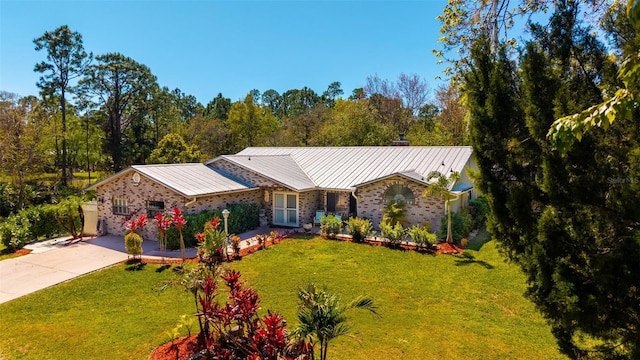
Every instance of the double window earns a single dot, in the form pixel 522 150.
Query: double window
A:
pixel 120 206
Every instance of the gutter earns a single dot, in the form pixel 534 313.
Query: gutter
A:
pixel 191 202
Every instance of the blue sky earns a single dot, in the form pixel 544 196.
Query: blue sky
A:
pixel 207 47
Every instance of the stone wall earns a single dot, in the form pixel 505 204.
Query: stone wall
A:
pixel 371 203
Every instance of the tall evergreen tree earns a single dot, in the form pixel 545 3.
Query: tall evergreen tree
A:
pixel 66 60
pixel 119 85
pixel 568 219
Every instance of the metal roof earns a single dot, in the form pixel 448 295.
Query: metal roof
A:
pixel 282 169
pixel 347 167
pixel 189 180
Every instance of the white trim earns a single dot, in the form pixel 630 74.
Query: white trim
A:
pixel 286 209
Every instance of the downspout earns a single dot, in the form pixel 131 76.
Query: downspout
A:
pixel 190 202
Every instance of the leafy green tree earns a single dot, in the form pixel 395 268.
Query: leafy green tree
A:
pixel 20 136
pixel 250 124
pixel 66 61
pixel 172 149
pixel 119 85
pixel 353 123
pixel 211 136
pixel 441 185
pixel 323 317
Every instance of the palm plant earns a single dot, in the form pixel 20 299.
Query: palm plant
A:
pixel 442 187
pixel 322 316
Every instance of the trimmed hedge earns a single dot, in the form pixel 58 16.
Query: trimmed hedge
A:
pixel 242 217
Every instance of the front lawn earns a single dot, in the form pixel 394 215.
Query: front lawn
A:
pixel 432 307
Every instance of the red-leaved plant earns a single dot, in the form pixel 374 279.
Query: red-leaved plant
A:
pixel 234 330
pixel 163 222
pixel 179 221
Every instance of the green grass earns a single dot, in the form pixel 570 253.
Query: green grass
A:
pixel 432 307
pixel 110 314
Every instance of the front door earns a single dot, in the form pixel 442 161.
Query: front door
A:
pixel 285 209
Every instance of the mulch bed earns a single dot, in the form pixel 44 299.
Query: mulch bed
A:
pixel 21 252
pixel 178 349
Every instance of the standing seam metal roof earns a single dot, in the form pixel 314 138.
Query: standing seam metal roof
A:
pixel 189 180
pixel 346 167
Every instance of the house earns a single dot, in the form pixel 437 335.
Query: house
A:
pixel 291 183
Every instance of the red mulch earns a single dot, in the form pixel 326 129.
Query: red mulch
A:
pixel 179 349
pixel 448 248
pixel 21 252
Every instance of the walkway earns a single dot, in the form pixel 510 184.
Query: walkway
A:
pixel 54 261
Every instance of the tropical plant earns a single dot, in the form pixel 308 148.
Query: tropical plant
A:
pixel 163 222
pixel 359 228
pixel 394 233
pixel 322 316
pixel 442 187
pixel 422 235
pixel 394 212
pixel 330 226
pixel 234 330
pixel 211 242
pixel 179 221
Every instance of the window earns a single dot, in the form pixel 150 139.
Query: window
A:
pixel 398 193
pixel 154 207
pixel 332 200
pixel 120 206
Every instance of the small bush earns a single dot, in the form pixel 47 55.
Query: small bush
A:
pixel 330 226
pixel 479 209
pixel 133 244
pixel 422 235
pixel 16 231
pixel 359 228
pixel 395 234
pixel 461 224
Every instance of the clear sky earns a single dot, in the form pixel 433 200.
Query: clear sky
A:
pixel 206 47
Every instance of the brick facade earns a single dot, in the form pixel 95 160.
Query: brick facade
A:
pixel 308 201
pixel 137 196
pixel 371 203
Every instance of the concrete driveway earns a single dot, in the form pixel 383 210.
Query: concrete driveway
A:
pixel 55 261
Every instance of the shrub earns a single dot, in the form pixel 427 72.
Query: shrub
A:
pixel 461 224
pixel 16 231
pixel 479 209
pixel 359 228
pixel 133 244
pixel 395 234
pixel 211 241
pixel 242 218
pixel 422 235
pixel 330 226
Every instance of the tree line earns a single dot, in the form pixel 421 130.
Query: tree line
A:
pixel 107 112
